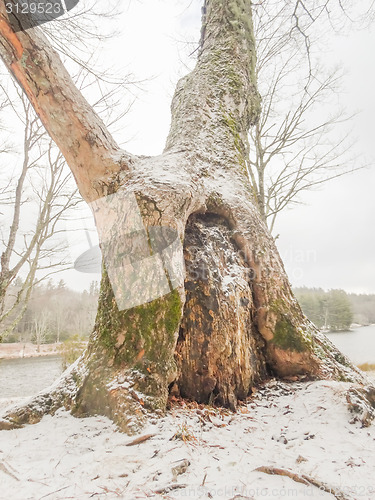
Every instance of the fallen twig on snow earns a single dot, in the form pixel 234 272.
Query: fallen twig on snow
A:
pixel 5 469
pixel 302 478
pixel 167 489
pixel 56 491
pixel 140 439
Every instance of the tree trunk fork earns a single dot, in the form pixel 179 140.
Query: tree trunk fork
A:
pixel 234 321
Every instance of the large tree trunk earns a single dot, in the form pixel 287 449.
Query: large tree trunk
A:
pixel 233 320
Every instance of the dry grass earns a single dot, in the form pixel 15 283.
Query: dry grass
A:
pixel 185 433
pixel 367 367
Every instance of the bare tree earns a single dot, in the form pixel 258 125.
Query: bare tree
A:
pixel 295 146
pixel 35 248
pixel 41 323
pixel 232 320
pixel 42 254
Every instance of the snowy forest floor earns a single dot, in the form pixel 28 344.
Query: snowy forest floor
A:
pixel 198 452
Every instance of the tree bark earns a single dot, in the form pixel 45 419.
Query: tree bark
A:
pixel 234 320
pixel 86 144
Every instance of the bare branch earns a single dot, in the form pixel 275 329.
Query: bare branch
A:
pixel 291 150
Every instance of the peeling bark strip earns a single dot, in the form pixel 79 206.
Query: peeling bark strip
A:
pixel 235 319
pixel 140 440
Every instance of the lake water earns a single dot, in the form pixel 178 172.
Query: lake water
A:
pixel 358 344
pixel 27 376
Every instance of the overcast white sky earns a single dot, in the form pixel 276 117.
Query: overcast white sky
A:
pixel 333 234
pixel 329 241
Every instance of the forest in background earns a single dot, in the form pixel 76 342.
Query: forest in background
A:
pixel 54 313
pixel 336 310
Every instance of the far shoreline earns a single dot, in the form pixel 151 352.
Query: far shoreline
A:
pixel 19 350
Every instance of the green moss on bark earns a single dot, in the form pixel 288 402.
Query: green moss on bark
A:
pixel 287 337
pixel 144 332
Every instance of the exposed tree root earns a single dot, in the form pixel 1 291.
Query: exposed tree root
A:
pixel 361 402
pixel 32 411
pixel 303 479
pixel 60 394
pixel 130 414
pixel 123 405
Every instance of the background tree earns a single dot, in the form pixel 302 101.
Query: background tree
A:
pixel 40 329
pixel 363 306
pixel 234 319
pixel 295 146
pixel 330 310
pixel 340 314
pixel 312 301
pixel 40 192
pixel 68 313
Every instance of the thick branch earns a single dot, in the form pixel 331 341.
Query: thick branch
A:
pixel 89 149
pixel 214 106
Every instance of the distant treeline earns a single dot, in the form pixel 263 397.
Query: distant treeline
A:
pixel 335 309
pixel 54 314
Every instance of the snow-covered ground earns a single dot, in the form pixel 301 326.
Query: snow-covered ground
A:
pixel 198 452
